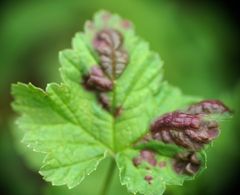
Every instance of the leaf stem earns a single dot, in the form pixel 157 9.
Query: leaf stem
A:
pixel 109 177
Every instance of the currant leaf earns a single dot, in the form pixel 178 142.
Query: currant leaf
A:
pixel 112 90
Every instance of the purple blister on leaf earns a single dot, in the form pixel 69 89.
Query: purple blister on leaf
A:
pixel 190 129
pixel 113 58
pixel 186 163
pixel 97 80
pixel 208 107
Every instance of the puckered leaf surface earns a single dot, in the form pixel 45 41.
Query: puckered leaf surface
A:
pixel 68 123
pixel 134 177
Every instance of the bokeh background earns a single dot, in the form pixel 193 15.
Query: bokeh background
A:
pixel 198 41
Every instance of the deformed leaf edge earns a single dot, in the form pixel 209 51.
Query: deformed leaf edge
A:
pixel 203 159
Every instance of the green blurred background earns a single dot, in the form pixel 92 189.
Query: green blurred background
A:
pixel 198 41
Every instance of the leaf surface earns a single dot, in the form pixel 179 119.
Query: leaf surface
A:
pixel 67 122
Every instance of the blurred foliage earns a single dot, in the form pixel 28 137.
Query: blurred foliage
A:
pixel 196 42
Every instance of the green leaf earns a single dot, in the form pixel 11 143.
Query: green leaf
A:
pixel 73 150
pixel 69 125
